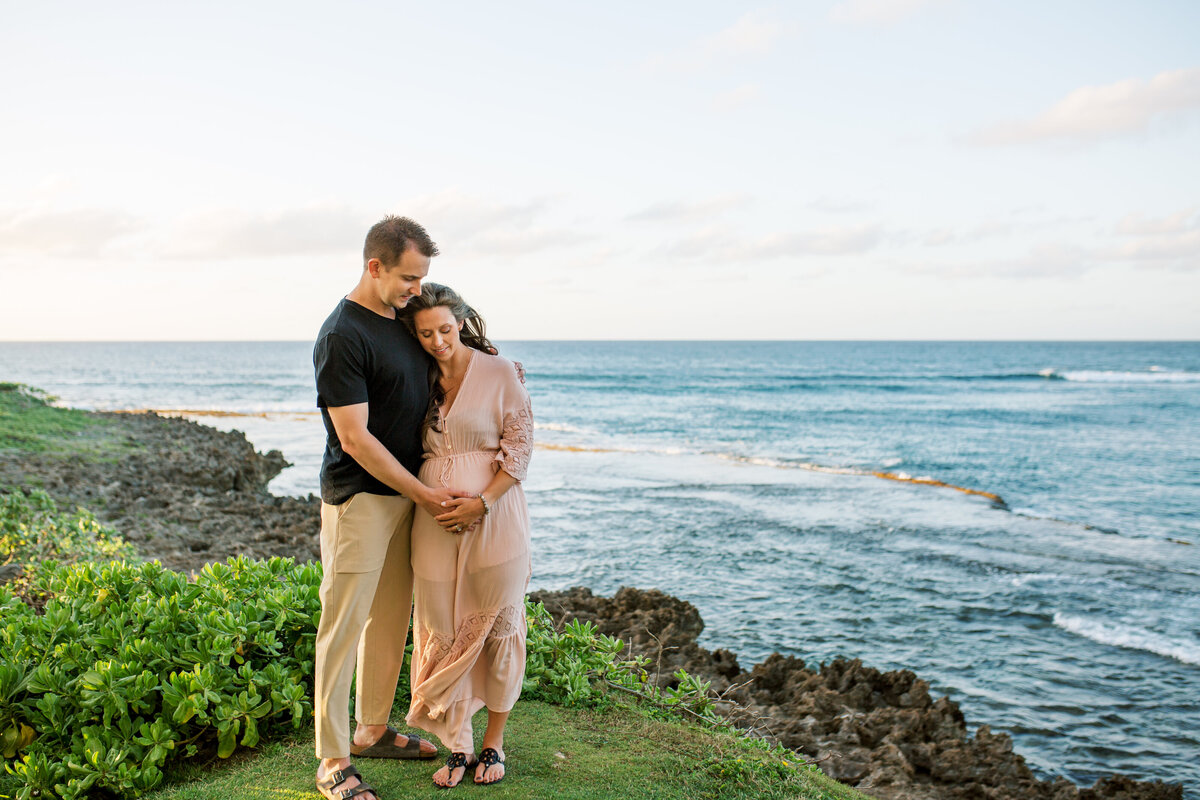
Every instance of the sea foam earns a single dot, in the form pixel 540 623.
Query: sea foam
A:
pixel 1118 635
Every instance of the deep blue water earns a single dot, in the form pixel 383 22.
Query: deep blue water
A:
pixel 737 476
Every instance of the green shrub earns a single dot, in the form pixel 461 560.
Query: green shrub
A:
pixel 33 530
pixel 128 666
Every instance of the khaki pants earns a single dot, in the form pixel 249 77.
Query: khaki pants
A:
pixel 366 599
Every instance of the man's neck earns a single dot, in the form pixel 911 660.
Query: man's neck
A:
pixel 370 301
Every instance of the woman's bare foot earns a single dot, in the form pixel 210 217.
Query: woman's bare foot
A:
pixel 456 767
pixel 491 766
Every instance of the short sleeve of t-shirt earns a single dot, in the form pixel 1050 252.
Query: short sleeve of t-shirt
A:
pixel 341 371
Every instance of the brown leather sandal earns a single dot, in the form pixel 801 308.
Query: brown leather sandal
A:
pixel 325 785
pixel 385 747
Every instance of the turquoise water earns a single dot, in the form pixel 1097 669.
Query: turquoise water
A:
pixel 738 476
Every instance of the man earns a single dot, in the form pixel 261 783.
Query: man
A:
pixel 373 391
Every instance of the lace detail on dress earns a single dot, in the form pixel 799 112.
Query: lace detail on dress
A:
pixel 516 442
pixel 495 624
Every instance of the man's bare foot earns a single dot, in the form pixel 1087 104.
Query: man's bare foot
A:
pixel 367 735
pixel 491 766
pixel 351 779
pixel 456 768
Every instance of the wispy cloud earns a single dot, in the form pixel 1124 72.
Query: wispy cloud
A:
pixel 836 205
pixel 879 12
pixel 77 233
pixel 1166 243
pixel 1172 241
pixel 1094 113
pixel 1138 224
pixel 986 230
pixel 736 99
pixel 239 233
pixel 721 244
pixel 753 34
pixel 482 225
pixel 689 211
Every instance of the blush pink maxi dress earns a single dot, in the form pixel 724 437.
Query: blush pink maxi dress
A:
pixel 469 589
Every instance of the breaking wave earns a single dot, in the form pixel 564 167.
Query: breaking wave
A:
pixel 1118 635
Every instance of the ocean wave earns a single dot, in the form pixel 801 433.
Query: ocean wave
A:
pixel 1127 636
pixel 264 411
pixel 560 427
pixel 1153 375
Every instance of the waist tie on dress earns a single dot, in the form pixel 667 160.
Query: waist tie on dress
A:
pixel 448 461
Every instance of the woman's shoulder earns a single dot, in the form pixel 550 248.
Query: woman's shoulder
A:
pixel 499 367
pixel 491 362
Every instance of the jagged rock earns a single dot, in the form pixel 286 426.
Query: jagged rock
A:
pixel 878 731
pixel 1119 787
pixel 184 493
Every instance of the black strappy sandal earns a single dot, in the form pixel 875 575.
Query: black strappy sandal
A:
pixel 325 785
pixel 453 762
pixel 490 757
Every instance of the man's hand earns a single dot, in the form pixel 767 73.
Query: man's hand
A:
pixel 435 499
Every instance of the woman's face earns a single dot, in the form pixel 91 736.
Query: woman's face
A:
pixel 437 331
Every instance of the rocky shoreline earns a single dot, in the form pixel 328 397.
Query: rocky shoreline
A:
pixel 187 494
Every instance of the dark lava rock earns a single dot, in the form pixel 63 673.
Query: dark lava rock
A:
pixel 880 732
pixel 184 494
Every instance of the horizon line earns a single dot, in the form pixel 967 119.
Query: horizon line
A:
pixel 629 340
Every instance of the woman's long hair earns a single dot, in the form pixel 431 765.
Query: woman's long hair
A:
pixel 473 334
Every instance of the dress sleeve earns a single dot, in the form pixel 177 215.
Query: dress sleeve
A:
pixel 516 428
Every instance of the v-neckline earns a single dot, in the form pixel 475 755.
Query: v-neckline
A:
pixel 461 384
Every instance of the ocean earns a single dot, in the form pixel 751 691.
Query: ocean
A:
pixel 1017 522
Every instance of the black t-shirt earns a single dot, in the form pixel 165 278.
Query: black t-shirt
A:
pixel 362 357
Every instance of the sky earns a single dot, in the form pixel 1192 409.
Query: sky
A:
pixel 845 169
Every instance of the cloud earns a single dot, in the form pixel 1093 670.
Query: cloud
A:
pixel 985 230
pixel 73 234
pixel 878 12
pixel 1137 224
pixel 1167 243
pixel 834 205
pixel 742 96
pixel 1093 113
pixel 1046 260
pixel 683 211
pixel 753 34
pixel 469 223
pixel 455 216
pixel 526 242
pixel 720 244
pixel 1172 241
pixel 237 233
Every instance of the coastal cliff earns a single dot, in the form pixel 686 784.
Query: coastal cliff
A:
pixel 186 494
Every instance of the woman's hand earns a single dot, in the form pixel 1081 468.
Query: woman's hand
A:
pixel 460 515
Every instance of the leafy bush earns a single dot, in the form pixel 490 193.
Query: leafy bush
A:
pixel 131 665
pixel 33 530
pixel 578 666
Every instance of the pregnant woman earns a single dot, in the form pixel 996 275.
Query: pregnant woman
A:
pixel 471 564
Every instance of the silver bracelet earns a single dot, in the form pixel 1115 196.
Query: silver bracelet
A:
pixel 483 500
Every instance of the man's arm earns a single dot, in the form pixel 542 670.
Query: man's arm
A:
pixel 350 423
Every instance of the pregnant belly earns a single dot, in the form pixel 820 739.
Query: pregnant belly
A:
pixel 466 472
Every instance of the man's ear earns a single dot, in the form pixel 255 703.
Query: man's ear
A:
pixel 373 266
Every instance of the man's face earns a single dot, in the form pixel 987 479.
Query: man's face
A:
pixel 398 283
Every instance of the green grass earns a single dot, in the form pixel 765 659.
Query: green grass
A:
pixel 551 752
pixel 30 424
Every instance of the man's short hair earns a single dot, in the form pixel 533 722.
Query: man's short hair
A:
pixel 389 237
